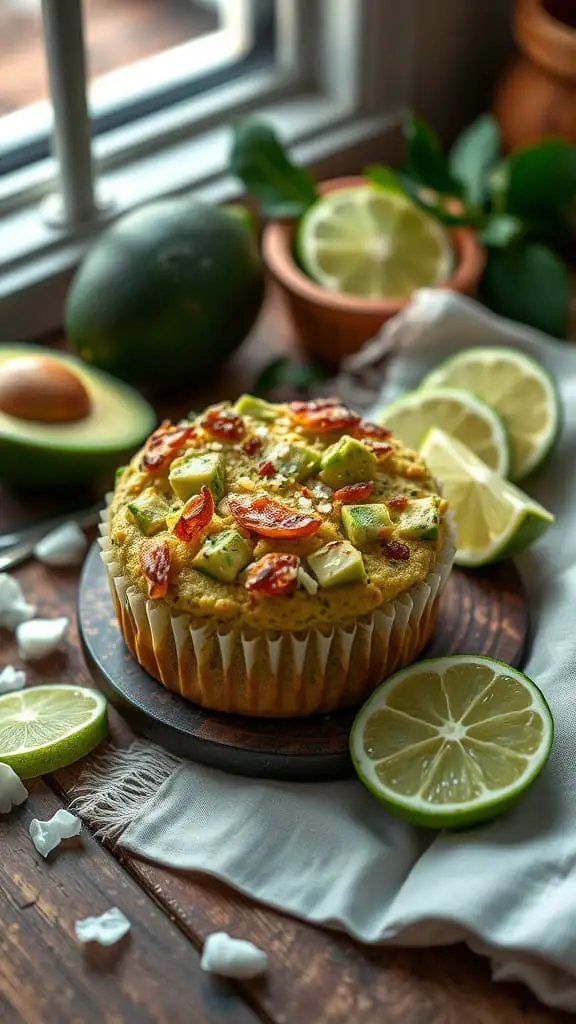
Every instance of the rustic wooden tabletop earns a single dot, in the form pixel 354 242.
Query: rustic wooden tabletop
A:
pixel 315 976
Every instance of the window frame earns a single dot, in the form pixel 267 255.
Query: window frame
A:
pixel 336 95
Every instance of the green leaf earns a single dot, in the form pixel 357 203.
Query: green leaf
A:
pixel 260 161
pixel 529 283
pixel 385 178
pixel 283 373
pixel 426 162
pixel 475 151
pixel 541 186
pixel 501 230
pixel 442 207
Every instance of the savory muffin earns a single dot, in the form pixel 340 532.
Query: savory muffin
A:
pixel 275 559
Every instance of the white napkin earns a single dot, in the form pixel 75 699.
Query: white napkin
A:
pixel 328 852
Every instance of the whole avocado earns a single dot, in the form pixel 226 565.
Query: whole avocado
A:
pixel 167 292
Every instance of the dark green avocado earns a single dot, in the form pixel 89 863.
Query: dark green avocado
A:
pixel 59 447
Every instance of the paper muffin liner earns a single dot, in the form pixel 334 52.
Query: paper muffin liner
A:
pixel 273 673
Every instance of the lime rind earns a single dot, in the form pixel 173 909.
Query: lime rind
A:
pixel 450 395
pixel 63 741
pixel 450 815
pixel 527 519
pixel 440 376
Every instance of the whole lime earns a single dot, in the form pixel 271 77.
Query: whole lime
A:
pixel 166 293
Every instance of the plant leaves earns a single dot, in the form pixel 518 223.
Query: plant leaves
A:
pixel 426 162
pixel 529 283
pixel 541 187
pixel 283 373
pixel 259 159
pixel 448 210
pixel 500 230
pixel 475 151
pixel 385 178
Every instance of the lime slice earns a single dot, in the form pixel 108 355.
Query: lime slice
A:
pixel 494 519
pixel 456 411
pixel 520 391
pixel 453 741
pixel 369 242
pixel 47 727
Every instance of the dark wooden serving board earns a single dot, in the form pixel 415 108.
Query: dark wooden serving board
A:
pixel 481 612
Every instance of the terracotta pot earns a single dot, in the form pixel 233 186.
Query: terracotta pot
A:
pixel 331 325
pixel 537 96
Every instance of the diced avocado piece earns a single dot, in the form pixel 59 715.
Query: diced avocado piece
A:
pixel 420 519
pixel 249 405
pixel 223 555
pixel 347 462
pixel 366 522
pixel 192 471
pixel 338 562
pixel 296 461
pixel 149 511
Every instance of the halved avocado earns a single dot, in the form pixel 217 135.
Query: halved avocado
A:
pixel 79 424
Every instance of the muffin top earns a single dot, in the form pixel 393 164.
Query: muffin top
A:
pixel 277 517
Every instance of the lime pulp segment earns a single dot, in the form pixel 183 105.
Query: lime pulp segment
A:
pixel 493 518
pixel 453 741
pixel 43 728
pixel 521 392
pixel 371 243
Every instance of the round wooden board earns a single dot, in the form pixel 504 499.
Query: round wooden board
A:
pixel 482 612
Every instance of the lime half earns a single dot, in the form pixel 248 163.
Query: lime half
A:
pixel 372 243
pixel 43 728
pixel 454 410
pixel 451 742
pixel 520 391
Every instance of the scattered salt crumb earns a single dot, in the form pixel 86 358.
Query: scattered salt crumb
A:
pixel 107 929
pixel 321 490
pixel 40 637
pixel 305 580
pixel 261 432
pixel 232 958
pixel 14 608
pixel 245 484
pixel 12 679
pixel 214 446
pixel 12 789
pixel 64 546
pixel 325 507
pixel 47 835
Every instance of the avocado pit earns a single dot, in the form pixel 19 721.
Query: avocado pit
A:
pixel 42 389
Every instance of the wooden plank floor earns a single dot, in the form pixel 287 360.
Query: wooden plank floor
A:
pixel 118 32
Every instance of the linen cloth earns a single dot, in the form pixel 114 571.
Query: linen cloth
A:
pixel 328 852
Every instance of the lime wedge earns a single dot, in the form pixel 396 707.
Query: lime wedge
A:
pixel 44 728
pixel 451 742
pixel 494 519
pixel 520 391
pixel 454 410
pixel 369 242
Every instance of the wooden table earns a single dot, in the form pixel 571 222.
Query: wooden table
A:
pixel 315 977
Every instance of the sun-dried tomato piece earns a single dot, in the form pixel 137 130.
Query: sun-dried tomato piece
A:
pixel 379 448
pixel 268 518
pixel 155 564
pixel 224 423
pixel 396 550
pixel 353 492
pixel 163 444
pixel 266 468
pixel 196 515
pixel 252 445
pixel 366 429
pixel 398 501
pixel 323 415
pixel 273 575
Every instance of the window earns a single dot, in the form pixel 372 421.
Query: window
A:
pixel 147 112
